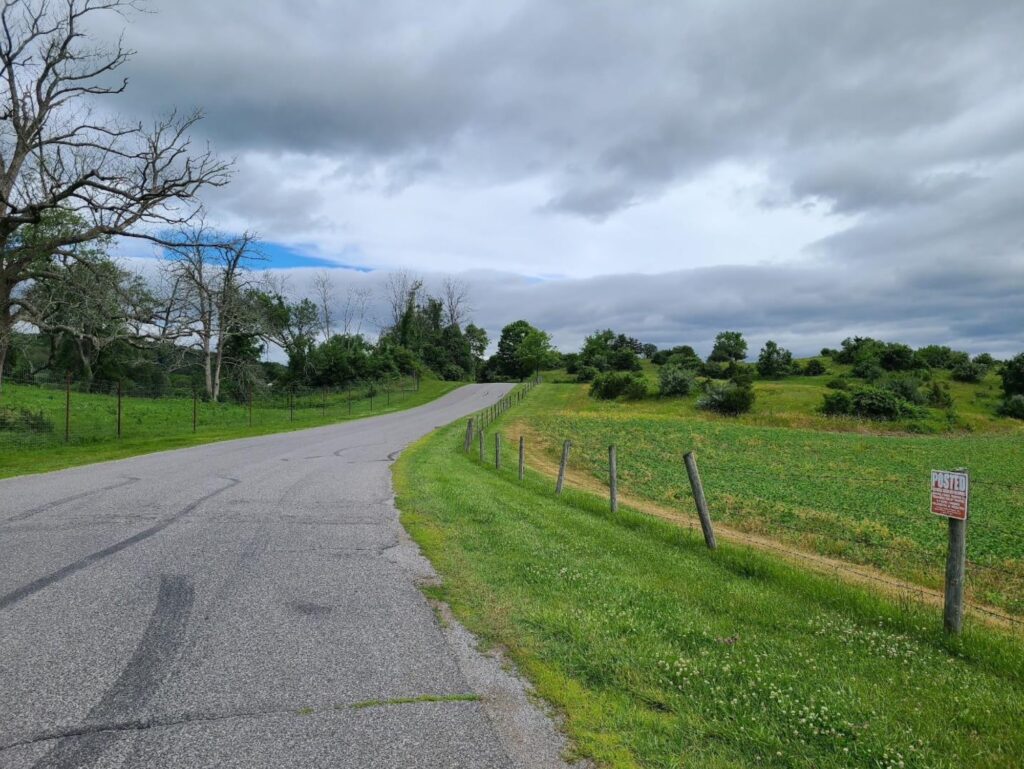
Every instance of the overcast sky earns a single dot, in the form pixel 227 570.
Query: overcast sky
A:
pixel 796 170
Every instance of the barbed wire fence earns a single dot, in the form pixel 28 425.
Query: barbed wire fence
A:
pixel 77 412
pixel 1002 583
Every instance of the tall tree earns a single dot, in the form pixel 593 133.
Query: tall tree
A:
pixel 56 154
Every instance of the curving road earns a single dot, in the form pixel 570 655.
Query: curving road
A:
pixel 251 603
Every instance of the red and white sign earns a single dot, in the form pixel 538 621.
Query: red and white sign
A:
pixel 949 494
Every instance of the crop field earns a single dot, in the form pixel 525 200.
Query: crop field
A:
pixel 663 654
pixel 854 496
pixel 157 423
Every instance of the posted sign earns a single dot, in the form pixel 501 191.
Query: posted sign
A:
pixel 949 494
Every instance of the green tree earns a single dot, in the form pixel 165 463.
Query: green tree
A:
pixel 535 351
pixel 730 347
pixel 507 360
pixel 774 361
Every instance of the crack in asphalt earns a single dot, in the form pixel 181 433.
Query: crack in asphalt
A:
pixel 11 598
pixel 64 500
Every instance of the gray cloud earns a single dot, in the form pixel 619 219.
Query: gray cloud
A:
pixel 902 122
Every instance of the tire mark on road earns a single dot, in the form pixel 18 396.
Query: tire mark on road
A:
pixel 45 581
pixel 63 501
pixel 137 683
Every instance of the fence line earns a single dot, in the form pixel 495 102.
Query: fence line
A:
pixel 932 561
pixel 108 410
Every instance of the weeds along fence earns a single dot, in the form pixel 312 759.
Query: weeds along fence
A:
pixel 875 543
pixel 74 412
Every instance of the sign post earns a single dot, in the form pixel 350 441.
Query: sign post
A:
pixel 949 499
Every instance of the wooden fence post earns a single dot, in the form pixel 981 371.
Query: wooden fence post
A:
pixel 522 457
pixel 497 451
pixel 195 409
pixel 291 404
pixel 467 444
pixel 481 444
pixel 250 405
pixel 118 408
pixel 613 478
pixel 698 497
pixel 561 467
pixel 953 605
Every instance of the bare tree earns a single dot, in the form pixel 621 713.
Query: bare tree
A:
pixel 323 285
pixel 118 178
pixel 455 296
pixel 213 272
pixel 398 288
pixel 353 313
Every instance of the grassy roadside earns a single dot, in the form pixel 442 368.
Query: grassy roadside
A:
pixel 664 655
pixel 157 425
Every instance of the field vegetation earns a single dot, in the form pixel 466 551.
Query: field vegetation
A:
pixel 848 492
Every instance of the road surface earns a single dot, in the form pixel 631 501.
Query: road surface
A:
pixel 250 603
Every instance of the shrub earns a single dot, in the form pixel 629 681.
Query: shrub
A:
pixel 868 370
pixel 938 396
pixel 879 403
pixel 739 373
pixel 675 380
pixel 586 373
pixel 896 357
pixel 24 420
pixel 727 398
pixel 714 370
pixel 838 383
pixel 814 367
pixel 838 403
pixel 1013 376
pixel 906 386
pixel 968 371
pixel 618 384
pixel 1013 407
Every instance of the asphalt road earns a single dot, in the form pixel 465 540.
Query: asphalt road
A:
pixel 233 605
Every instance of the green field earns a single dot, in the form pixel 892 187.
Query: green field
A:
pixel 663 654
pixel 855 496
pixel 156 424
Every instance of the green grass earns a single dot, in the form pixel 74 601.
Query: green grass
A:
pixel 859 497
pixel 157 424
pixel 662 654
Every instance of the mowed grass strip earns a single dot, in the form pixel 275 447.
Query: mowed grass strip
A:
pixel 662 654
pixel 858 497
pixel 158 424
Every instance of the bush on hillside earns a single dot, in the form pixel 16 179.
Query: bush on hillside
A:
pixel 675 380
pixel 618 384
pixel 938 396
pixel 968 371
pixel 727 398
pixel 906 386
pixel 868 370
pixel 586 373
pixel 814 367
pixel 870 403
pixel 838 403
pixel 1013 376
pixel 1013 407
pixel 838 383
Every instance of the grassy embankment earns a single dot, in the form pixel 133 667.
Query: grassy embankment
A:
pixel 663 654
pixel 158 424
pixel 855 496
